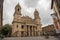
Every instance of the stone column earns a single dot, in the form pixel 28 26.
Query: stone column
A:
pixel 33 30
pixel 29 30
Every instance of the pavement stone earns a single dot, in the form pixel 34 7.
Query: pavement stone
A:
pixel 31 38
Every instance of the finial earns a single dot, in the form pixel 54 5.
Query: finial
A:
pixel 18 3
pixel 35 9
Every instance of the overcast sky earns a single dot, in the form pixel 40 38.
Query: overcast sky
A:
pixel 28 7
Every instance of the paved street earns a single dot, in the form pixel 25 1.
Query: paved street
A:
pixel 31 38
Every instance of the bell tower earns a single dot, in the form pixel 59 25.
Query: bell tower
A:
pixel 18 9
pixel 38 21
pixel 36 16
pixel 17 13
pixel 1 13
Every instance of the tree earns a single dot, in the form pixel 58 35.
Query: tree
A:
pixel 6 30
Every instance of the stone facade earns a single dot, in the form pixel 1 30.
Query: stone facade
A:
pixel 24 25
pixel 50 29
pixel 1 12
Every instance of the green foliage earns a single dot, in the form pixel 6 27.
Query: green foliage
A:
pixel 6 29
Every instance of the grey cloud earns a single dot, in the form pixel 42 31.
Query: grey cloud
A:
pixel 45 15
pixel 8 10
pixel 28 10
pixel 31 3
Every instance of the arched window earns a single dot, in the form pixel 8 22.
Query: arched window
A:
pixel 17 26
pixel 18 9
pixel 22 26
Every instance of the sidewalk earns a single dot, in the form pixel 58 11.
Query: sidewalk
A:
pixel 31 38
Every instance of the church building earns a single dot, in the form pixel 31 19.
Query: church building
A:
pixel 23 26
